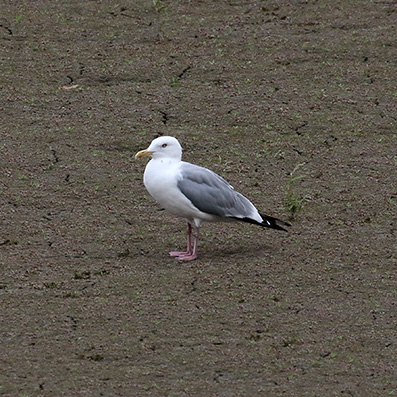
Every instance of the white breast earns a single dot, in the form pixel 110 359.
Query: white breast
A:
pixel 160 179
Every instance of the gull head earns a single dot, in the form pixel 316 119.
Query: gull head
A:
pixel 162 148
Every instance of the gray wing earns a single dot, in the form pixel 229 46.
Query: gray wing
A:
pixel 211 194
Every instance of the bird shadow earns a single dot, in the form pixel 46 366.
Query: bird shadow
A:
pixel 233 251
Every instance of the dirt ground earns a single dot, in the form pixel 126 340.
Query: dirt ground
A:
pixel 92 305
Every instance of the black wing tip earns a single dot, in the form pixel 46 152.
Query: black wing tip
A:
pixel 268 221
pixel 274 223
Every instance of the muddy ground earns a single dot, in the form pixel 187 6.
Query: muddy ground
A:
pixel 92 305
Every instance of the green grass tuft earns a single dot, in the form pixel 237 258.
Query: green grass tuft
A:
pixel 294 201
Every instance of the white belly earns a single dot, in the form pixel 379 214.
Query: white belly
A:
pixel 160 179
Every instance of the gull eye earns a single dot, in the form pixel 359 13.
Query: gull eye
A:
pixel 164 145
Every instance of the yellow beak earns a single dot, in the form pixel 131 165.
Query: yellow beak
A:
pixel 143 153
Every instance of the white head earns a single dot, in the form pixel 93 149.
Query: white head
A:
pixel 163 147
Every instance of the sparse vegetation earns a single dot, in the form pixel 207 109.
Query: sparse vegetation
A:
pixel 294 201
pixel 158 5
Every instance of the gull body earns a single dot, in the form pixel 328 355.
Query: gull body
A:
pixel 195 193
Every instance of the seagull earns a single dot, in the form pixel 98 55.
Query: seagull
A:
pixel 195 193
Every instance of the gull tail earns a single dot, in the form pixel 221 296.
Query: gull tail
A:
pixel 268 221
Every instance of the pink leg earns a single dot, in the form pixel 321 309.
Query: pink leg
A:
pixel 193 254
pixel 189 250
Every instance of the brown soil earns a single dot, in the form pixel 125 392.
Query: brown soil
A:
pixel 91 303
